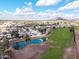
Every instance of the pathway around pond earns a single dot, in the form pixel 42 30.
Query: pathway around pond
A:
pixel 30 51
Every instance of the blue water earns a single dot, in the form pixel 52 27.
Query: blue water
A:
pixel 20 45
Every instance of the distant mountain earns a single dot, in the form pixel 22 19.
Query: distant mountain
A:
pixel 59 18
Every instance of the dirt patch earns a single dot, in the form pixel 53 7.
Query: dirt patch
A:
pixel 30 52
pixel 69 53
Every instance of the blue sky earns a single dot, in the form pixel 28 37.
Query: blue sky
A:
pixel 38 9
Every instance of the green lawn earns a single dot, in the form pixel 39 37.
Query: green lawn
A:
pixel 60 38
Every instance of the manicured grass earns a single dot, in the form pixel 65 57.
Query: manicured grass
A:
pixel 60 38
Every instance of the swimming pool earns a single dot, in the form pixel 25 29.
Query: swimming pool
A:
pixel 20 45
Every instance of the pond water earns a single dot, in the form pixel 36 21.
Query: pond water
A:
pixel 20 45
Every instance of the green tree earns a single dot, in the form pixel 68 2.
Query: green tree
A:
pixel 3 47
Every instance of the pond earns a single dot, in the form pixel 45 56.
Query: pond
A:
pixel 23 44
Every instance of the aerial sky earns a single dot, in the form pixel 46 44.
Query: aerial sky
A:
pixel 38 9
